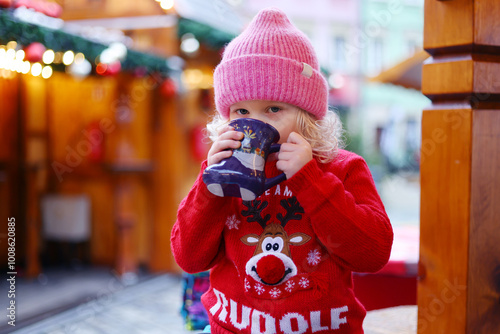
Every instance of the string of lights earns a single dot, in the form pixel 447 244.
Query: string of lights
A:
pixel 21 43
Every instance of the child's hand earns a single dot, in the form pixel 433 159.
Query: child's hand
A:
pixel 294 154
pixel 224 144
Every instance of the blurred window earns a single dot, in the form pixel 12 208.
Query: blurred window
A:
pixel 418 3
pixel 375 56
pixel 412 47
pixel 339 56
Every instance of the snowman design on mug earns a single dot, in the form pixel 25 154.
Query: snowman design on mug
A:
pixel 251 158
pixel 242 174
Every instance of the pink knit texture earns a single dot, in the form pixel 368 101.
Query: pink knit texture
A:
pixel 265 62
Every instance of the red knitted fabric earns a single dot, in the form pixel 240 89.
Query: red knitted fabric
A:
pixel 283 263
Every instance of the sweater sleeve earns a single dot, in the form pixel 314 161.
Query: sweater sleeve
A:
pixel 196 239
pixel 348 217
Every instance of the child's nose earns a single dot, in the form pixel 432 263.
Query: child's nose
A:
pixel 258 117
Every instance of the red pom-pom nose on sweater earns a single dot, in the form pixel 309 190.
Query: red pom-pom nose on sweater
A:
pixel 270 269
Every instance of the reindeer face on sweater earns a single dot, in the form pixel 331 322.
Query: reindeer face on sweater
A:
pixel 271 263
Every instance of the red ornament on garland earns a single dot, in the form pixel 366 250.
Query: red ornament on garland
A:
pixel 37 5
pixel 34 52
pixel 114 68
pixel 48 8
pixel 108 69
pixel 6 3
pixel 52 9
pixel 22 3
pixel 168 88
pixel 101 69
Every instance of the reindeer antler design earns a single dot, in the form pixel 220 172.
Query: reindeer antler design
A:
pixel 293 210
pixel 254 212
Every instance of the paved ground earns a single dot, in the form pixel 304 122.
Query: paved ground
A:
pixel 401 198
pixel 151 306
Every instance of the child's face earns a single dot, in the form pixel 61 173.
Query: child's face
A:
pixel 282 116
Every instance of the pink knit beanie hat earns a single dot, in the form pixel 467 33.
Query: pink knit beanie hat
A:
pixel 271 60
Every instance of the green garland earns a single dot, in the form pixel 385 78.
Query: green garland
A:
pixel 213 38
pixel 24 34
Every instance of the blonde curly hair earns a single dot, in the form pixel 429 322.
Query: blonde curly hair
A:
pixel 324 136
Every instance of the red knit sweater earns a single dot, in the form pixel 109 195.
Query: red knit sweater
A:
pixel 283 263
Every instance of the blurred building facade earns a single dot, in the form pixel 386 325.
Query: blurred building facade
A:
pixel 356 40
pixel 390 115
pixel 331 26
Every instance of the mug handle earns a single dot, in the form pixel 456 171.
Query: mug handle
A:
pixel 274 148
pixel 277 179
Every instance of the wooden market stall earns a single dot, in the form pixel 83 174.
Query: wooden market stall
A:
pixel 93 168
pixel 64 137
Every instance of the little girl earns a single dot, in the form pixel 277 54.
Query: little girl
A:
pixel 283 262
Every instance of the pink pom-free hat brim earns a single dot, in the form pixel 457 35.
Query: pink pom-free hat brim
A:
pixel 270 78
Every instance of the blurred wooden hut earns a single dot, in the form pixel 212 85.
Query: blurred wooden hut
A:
pixel 92 168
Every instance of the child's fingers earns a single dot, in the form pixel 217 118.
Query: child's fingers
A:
pixel 228 140
pixel 295 138
pixel 218 157
pixel 284 166
pixel 224 144
pixel 231 134
pixel 294 154
pixel 225 128
pixel 285 156
pixel 287 147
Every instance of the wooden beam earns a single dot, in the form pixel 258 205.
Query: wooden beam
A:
pixel 483 306
pixel 84 9
pixel 459 269
pixel 444 216
pixel 129 23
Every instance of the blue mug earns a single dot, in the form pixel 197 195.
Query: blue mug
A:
pixel 242 174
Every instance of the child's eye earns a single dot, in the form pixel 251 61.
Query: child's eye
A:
pixel 241 111
pixel 274 109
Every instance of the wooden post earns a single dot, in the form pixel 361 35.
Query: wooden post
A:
pixel 170 171
pixel 125 219
pixel 459 270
